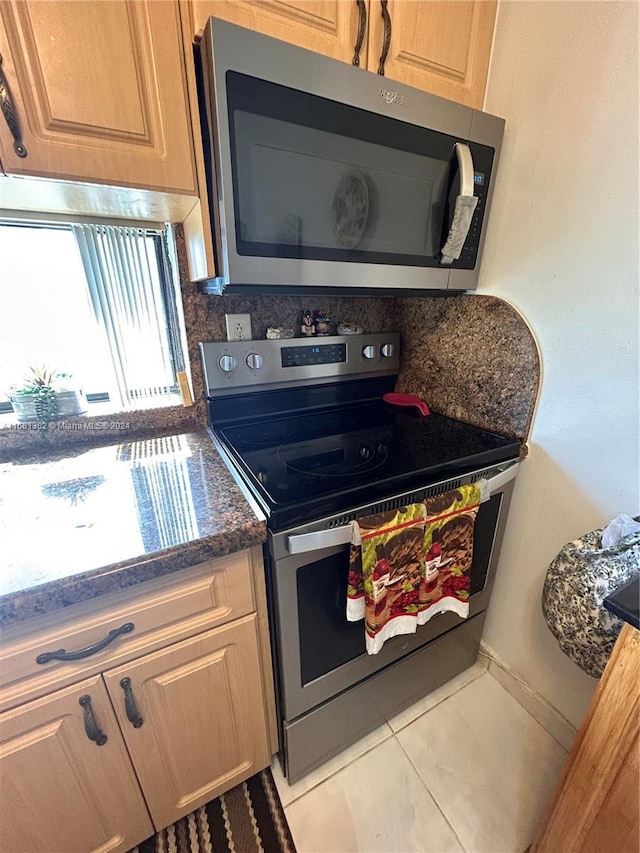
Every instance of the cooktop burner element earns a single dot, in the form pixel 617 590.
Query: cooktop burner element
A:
pixel 265 435
pixel 339 456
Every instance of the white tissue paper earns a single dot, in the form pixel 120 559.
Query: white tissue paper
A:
pixel 617 529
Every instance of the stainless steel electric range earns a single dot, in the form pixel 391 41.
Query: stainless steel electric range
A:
pixel 305 431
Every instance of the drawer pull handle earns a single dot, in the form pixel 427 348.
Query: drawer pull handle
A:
pixel 90 725
pixel 45 657
pixel 131 710
pixel 10 114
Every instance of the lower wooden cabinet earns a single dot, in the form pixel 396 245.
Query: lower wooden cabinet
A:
pixel 596 807
pixel 62 791
pixel 192 718
pixel 102 764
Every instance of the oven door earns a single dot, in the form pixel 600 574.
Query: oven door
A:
pixel 319 652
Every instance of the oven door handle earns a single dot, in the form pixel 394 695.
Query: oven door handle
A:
pixel 496 483
pixel 300 543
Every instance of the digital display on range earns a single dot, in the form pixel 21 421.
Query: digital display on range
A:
pixel 478 179
pixel 313 354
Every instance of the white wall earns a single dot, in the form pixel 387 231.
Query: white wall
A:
pixel 563 249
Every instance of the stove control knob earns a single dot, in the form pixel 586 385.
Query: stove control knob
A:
pixel 227 363
pixel 369 351
pixel 387 350
pixel 254 361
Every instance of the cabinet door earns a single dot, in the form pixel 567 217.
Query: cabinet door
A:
pixel 441 47
pixel 325 26
pixel 595 806
pixel 61 791
pixel 99 92
pixel 198 726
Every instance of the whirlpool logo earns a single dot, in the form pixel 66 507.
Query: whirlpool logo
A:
pixel 390 97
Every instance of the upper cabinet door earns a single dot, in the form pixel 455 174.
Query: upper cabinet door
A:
pixel 441 47
pixel 325 26
pixel 98 92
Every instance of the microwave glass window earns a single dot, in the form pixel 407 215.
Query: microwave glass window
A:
pixel 320 180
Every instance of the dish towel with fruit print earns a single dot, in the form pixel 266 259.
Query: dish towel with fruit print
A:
pixel 408 565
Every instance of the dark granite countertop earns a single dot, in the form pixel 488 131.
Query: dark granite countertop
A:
pixel 91 522
pixel 624 602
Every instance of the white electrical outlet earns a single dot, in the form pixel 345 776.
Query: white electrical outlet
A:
pixel 238 327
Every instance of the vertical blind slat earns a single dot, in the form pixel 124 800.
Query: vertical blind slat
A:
pixel 127 298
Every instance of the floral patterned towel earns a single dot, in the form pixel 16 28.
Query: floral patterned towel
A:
pixel 407 565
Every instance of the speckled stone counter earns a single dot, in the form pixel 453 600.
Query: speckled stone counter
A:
pixel 91 522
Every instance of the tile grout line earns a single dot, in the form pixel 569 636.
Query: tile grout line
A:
pixel 444 699
pixel 344 766
pixel 527 711
pixel 426 787
pixel 538 699
pixel 392 733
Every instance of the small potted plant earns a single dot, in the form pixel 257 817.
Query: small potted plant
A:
pixel 45 395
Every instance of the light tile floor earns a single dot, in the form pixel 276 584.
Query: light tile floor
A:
pixel 465 769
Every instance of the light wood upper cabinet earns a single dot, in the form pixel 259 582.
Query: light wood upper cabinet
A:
pixel 441 47
pixel 329 27
pixel 201 728
pixel 60 790
pixel 438 46
pixel 99 92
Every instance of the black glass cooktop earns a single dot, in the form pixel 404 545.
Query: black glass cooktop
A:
pixel 306 466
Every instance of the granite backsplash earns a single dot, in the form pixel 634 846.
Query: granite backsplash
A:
pixel 205 321
pixel 472 357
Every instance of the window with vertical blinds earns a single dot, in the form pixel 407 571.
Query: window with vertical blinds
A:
pixel 114 318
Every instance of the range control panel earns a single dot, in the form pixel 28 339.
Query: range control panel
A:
pixel 239 366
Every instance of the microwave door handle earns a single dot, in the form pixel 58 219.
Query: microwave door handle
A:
pixel 464 208
pixel 301 543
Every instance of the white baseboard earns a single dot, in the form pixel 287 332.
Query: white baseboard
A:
pixel 549 717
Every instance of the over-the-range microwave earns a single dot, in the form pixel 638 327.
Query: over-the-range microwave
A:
pixel 323 175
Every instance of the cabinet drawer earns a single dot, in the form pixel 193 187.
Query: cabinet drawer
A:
pixel 161 612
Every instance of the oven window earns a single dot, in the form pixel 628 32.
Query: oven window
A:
pixel 327 640
pixel 316 179
pixel 483 537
